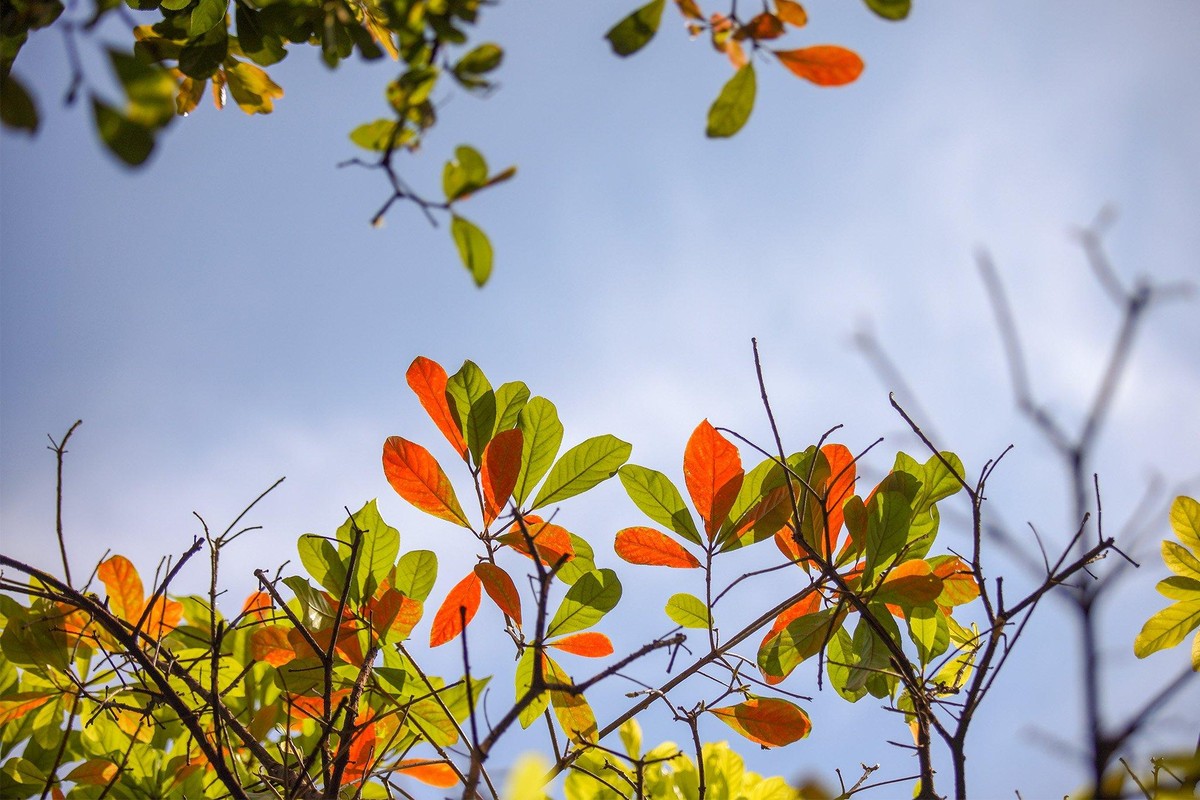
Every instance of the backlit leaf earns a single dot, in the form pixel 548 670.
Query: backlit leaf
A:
pixel 510 399
pixel 636 30
pixel 809 604
pixel 688 610
pixel 501 468
pixel 837 489
pixel 205 16
pixel 910 583
pixel 418 478
pixel 252 88
pixel 768 721
pixel 126 597
pixel 474 248
pixel 890 9
pixel 1185 521
pixel 574 714
pixel 801 639
pixel 15 706
pixel 427 379
pixel 543 433
pixel 524 681
pixel 762 26
pixel 448 622
pixel 730 111
pixel 362 754
pixel 653 493
pixel 270 643
pixel 379 136
pixel 929 631
pixel 379 544
pixel 473 404
pixel 1179 560
pixel 433 773
pixel 585 465
pixel 590 644
pixel 148 87
pixel 824 65
pixel 17 109
pixel 128 140
pixel 96 772
pixel 712 471
pixel 552 542
pixel 1167 627
pixel 393 614
pixel 791 12
pixel 888 517
pixel 586 602
pixel 320 558
pixel 958 582
pixel 648 546
pixel 500 587
pixel 415 574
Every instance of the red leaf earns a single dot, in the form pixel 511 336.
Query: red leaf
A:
pixel 769 721
pixel 427 379
pixel 712 470
pixel 433 773
pixel 126 598
pixel 418 478
pixel 648 546
pixel 551 541
pixel 589 644
pixel 162 617
pixel 362 754
pixel 501 467
pixel 448 622
pixel 823 64
pixel 837 489
pixel 689 9
pixel 500 587
pixel 310 706
pixel 270 643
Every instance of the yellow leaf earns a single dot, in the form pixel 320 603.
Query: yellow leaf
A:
pixel 252 88
pixel 525 778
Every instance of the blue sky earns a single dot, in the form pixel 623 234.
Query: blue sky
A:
pixel 226 315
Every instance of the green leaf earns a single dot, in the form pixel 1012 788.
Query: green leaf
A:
pixel 17 109
pixel 416 573
pixel 149 88
pixel 587 601
pixel 473 404
pixel 412 88
pixel 888 518
pixel 542 436
pixel 510 399
pixel 636 30
pixel 801 639
pixel 483 59
pixel 890 9
pixel 201 57
pixel 659 499
pixel 252 88
pixel 465 173
pixel 473 248
pixel 129 141
pixel 316 613
pixel 583 466
pixel 380 136
pixel 524 679
pixel 379 547
pixel 205 16
pixel 689 611
pixel 260 46
pixel 733 105
pixel 929 631
pixel 839 663
pixel 320 558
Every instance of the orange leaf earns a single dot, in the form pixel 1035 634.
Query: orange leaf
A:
pixel 448 622
pixel 311 706
pixel 837 489
pixel 162 617
pixel 769 721
pixel 97 772
pixel 500 587
pixel 393 613
pixel 501 466
pixel 418 478
pixel 648 546
pixel 808 605
pixel 911 582
pixel 589 644
pixel 786 543
pixel 762 26
pixel 362 754
pixel 823 64
pixel 712 470
pixel 427 379
pixel 270 643
pixel 958 582
pixel 689 9
pixel 791 12
pixel 18 705
pixel 551 541
pixel 347 645
pixel 434 773
pixel 258 606
pixel 126 597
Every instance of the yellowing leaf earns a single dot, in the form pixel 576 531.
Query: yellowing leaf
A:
pixel 824 65
pixel 1185 521
pixel 1167 627
pixel 126 596
pixel 15 706
pixel 688 610
pixel 252 88
pixel 791 12
pixel 769 721
pixel 97 772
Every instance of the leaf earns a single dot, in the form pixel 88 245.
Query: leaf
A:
pixel 270 643
pixel 888 518
pixel 511 397
pixel 449 620
pixel 418 478
pixel 393 614
pixel 809 604
pixel 589 644
pixel 1167 627
pixel 148 87
pixel 126 597
pixel 929 631
pixel 526 778
pixel 823 64
pixel 762 26
pixel 837 489
pixel 15 706
pixel 542 436
pixel 320 558
pixel 801 639
pixel 585 465
pixel 1177 587
pixel 427 379
pixel 910 583
pixel 1179 560
pixel 473 405
pixel 552 542
pixel 17 109
pixel 524 680
pixel 958 581
pixel 651 548
pixel 768 721
pixel 482 59
pixel 433 773
pixel 463 174
pixel 653 493
pixel 205 16
pixel 128 140
pixel 575 716
pixel 712 471
pixel 473 248
pixel 501 468
pixel 586 602
pixel 636 30
pixel 252 88
pixel 500 587
pixel 380 136
pixel 1185 521
pixel 362 755
pixel 689 611
pixel 379 545
pixel 415 574
pixel 791 12
pixel 890 9
pixel 733 105
pixel 96 772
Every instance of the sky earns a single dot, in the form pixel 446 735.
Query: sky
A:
pixel 226 315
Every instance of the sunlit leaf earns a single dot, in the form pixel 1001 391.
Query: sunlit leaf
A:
pixel 911 583
pixel 791 12
pixel 585 465
pixel 15 706
pixel 427 379
pixel 653 493
pixel 526 779
pixel 590 644
pixel 432 773
pixel 648 546
pixel 206 15
pixel 415 574
pixel 688 610
pixel 1185 521
pixel 474 248
pixel 929 631
pixel 809 604
pixel 252 88
pixel 320 558
pixel 379 544
pixel 552 542
pixel 148 87
pixel 768 721
pixel 636 30
pixel 543 433
pixel 463 174
pixel 379 136
pixel 888 518
pixel 500 587
pixel 501 468
pixel 762 26
pixel 586 602
pixel 96 772
pixel 418 478
pixel 510 400
pixel 824 64
pixel 362 755
pixel 574 714
pixel 712 471
pixel 270 643
pixel 393 614
pixel 524 681
pixel 731 109
pixel 449 620
pixel 1179 560
pixel 890 9
pixel 801 639
pixel 126 597
pixel 958 581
